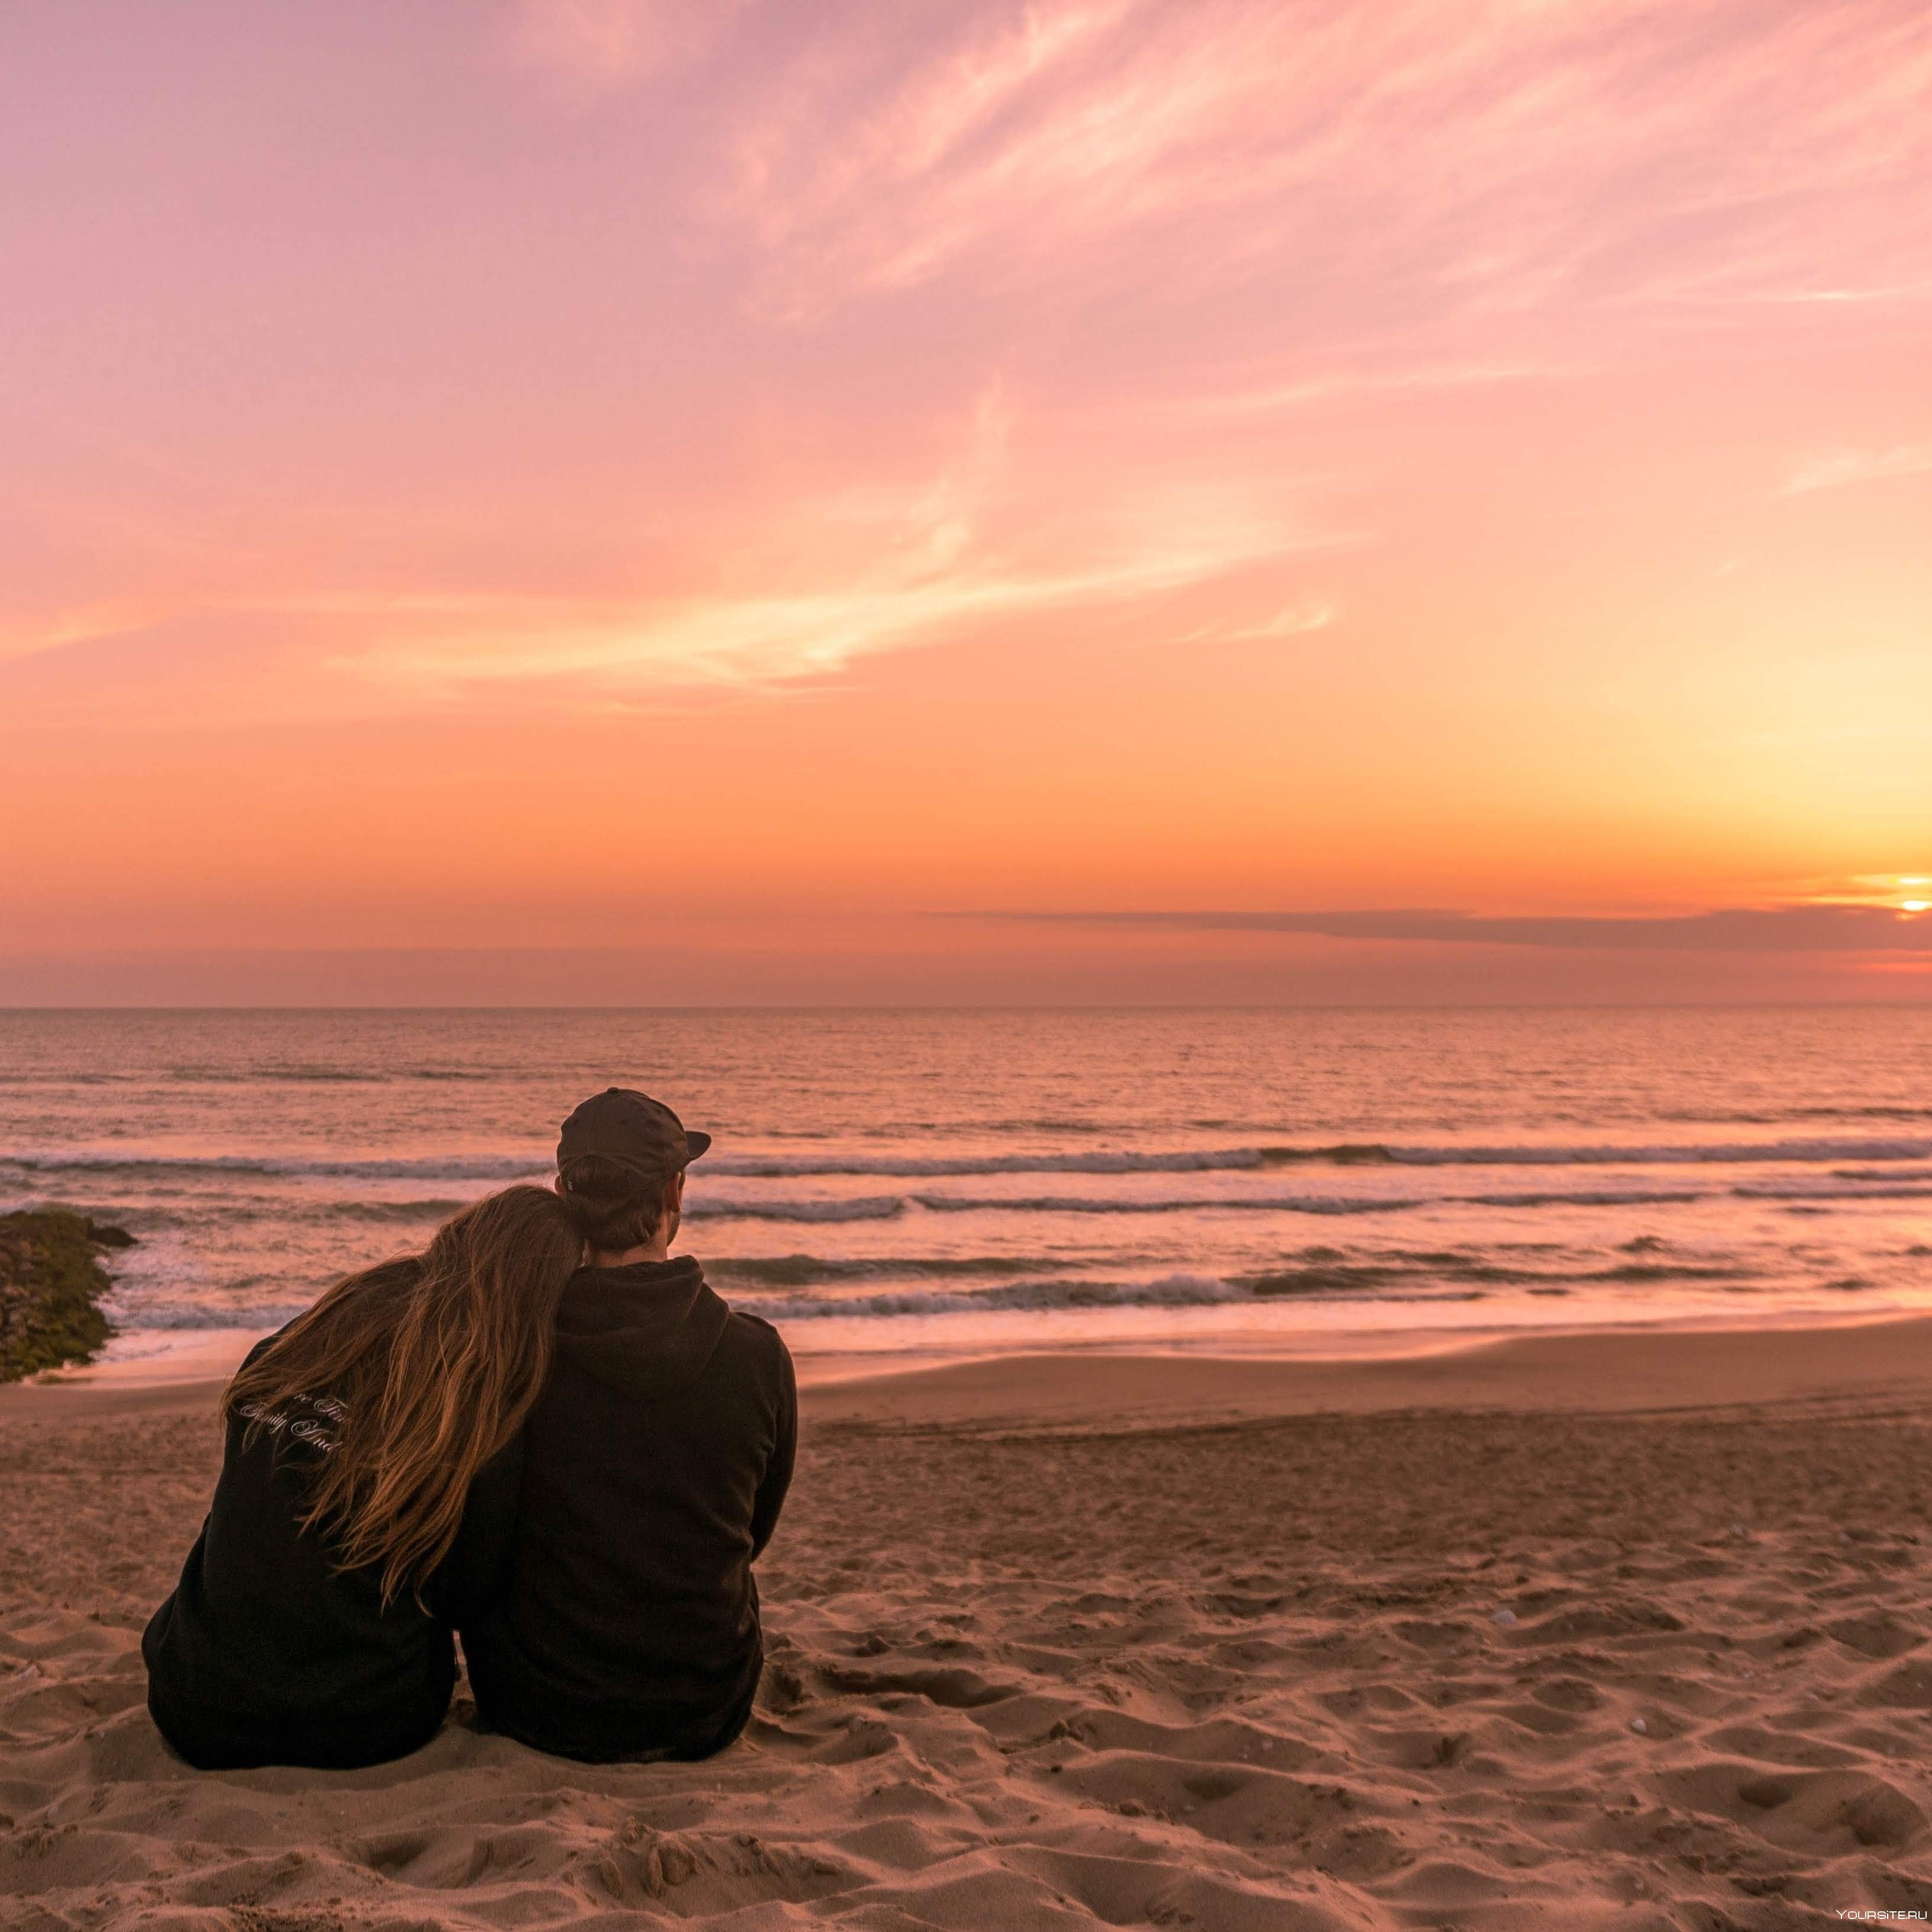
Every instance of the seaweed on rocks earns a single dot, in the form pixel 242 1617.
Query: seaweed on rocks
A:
pixel 51 1283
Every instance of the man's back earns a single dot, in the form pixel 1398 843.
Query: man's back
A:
pixel 654 1464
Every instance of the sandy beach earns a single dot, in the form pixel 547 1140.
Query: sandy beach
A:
pixel 1573 1632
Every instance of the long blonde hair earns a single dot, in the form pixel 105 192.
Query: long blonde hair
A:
pixel 410 1375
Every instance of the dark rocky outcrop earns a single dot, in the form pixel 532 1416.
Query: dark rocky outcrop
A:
pixel 51 1283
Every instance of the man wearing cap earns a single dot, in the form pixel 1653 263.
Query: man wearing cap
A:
pixel 654 1464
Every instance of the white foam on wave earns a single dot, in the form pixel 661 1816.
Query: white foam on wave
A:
pixel 137 1316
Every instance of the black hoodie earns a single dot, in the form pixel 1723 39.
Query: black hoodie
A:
pixel 266 1653
pixel 655 1462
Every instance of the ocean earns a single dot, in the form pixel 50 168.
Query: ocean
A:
pixel 901 1186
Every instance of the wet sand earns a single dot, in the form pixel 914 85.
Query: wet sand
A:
pixel 1630 1631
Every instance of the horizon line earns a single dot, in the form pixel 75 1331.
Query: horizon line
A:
pixel 989 1006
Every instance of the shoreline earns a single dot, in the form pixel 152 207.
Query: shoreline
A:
pixel 1627 1370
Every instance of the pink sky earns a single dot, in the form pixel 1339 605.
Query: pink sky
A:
pixel 679 502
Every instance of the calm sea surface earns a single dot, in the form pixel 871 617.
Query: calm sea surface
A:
pixel 933 1184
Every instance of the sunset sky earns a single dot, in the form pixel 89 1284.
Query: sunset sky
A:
pixel 588 500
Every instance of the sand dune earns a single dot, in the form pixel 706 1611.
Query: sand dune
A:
pixel 1429 1665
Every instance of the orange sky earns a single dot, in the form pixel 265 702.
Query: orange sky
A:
pixel 679 503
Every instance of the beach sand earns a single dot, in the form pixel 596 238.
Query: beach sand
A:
pixel 1630 1631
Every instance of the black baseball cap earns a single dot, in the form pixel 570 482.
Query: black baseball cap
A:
pixel 631 1128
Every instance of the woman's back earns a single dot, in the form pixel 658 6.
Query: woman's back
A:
pixel 655 1463
pixel 366 1498
pixel 268 1646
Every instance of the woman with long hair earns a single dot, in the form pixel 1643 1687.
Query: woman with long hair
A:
pixel 367 1495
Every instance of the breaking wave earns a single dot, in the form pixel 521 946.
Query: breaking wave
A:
pixel 1663 1154
pixel 135 1315
pixel 873 1207
pixel 804 1271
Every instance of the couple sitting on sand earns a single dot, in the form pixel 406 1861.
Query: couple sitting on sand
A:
pixel 541 1433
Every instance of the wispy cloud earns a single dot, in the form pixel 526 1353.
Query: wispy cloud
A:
pixel 768 639
pixel 867 570
pixel 1787 929
pixel 1487 155
pixel 799 586
pixel 1839 468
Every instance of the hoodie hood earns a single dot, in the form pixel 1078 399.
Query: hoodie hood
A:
pixel 650 1330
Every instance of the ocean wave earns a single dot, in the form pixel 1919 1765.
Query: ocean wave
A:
pixel 326 1076
pixel 930 1166
pixel 872 1208
pixel 132 1317
pixel 1585 1197
pixel 303 1210
pixel 803 1271
pixel 1366 1277
pixel 1882 1112
pixel 45 1078
pixel 108 1161
pixel 102 1170
pixel 1320 1270
pixel 1379 1278
pixel 1172 1291
pixel 535 1163
pixel 1664 1154
pixel 328 1211
pixel 1303 1203
pixel 1830 1190
pixel 1340 1154
pixel 1374 1279
pixel 1175 1290
pixel 1088 1203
